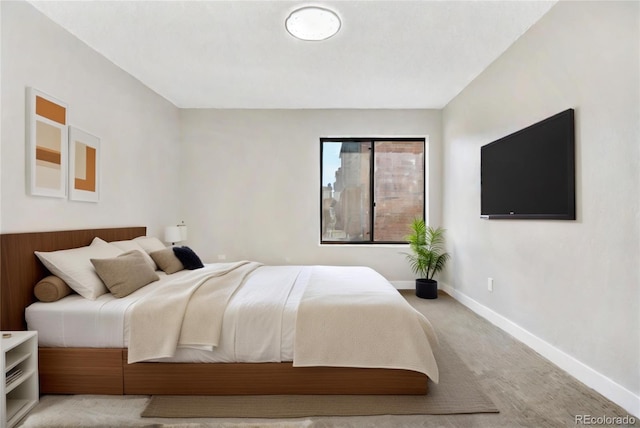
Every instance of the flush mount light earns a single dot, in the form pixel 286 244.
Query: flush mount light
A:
pixel 312 23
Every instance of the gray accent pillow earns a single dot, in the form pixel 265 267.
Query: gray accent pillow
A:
pixel 167 260
pixel 126 273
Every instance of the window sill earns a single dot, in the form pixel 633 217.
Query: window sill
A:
pixel 365 245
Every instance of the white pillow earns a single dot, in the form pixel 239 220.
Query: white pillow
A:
pixel 150 244
pixel 131 245
pixel 75 268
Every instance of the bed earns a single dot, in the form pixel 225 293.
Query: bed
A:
pixel 100 363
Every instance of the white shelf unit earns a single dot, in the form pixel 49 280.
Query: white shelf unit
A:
pixel 18 353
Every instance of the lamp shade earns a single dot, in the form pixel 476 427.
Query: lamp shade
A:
pixel 183 231
pixel 172 234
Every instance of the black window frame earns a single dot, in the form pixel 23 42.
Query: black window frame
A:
pixel 372 205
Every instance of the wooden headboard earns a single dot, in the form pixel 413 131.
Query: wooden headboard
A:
pixel 20 269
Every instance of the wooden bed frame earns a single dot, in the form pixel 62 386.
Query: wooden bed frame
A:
pixel 105 371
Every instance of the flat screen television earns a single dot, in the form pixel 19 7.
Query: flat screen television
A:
pixel 530 174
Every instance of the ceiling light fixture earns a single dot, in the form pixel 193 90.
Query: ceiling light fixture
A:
pixel 312 23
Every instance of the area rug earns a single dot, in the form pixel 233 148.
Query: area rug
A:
pixel 457 393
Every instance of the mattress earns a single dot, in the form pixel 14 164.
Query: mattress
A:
pixel 103 323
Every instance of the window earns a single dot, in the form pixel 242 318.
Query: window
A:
pixel 371 189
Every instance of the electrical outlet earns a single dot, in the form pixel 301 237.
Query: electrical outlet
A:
pixel 490 284
pixel 222 257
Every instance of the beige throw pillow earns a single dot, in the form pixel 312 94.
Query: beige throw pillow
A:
pixel 51 289
pixel 126 273
pixel 167 260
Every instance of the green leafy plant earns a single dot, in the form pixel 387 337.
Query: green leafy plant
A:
pixel 427 256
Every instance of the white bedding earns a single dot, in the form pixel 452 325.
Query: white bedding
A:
pixel 345 316
pixel 247 335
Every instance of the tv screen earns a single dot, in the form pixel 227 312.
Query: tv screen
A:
pixel 530 174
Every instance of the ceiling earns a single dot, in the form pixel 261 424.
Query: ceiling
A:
pixel 237 54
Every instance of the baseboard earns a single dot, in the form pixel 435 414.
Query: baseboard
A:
pixel 585 374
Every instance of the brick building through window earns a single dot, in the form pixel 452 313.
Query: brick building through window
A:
pixel 371 189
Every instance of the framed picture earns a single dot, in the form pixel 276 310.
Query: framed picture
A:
pixel 84 166
pixel 47 145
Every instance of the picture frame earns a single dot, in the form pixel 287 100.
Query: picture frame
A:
pixel 84 166
pixel 47 145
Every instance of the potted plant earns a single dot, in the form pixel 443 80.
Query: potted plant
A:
pixel 427 256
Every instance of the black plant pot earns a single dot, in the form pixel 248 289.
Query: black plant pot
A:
pixel 427 288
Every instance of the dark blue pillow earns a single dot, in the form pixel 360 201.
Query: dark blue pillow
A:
pixel 188 258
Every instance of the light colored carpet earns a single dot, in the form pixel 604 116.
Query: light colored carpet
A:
pixel 457 393
pixel 529 391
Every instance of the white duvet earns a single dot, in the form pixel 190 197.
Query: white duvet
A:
pixel 249 333
pixel 260 321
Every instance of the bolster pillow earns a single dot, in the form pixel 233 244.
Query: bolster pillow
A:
pixel 51 289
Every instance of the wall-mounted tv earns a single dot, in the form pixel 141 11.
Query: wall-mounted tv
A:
pixel 530 174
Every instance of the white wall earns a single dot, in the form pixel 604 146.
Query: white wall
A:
pixel 139 130
pixel 248 180
pixel 573 285
pixel 252 182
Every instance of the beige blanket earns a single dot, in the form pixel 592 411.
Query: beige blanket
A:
pixel 353 317
pixel 186 312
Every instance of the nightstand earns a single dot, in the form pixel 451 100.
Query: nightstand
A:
pixel 19 361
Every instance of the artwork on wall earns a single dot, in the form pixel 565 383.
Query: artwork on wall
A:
pixel 84 166
pixel 47 145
